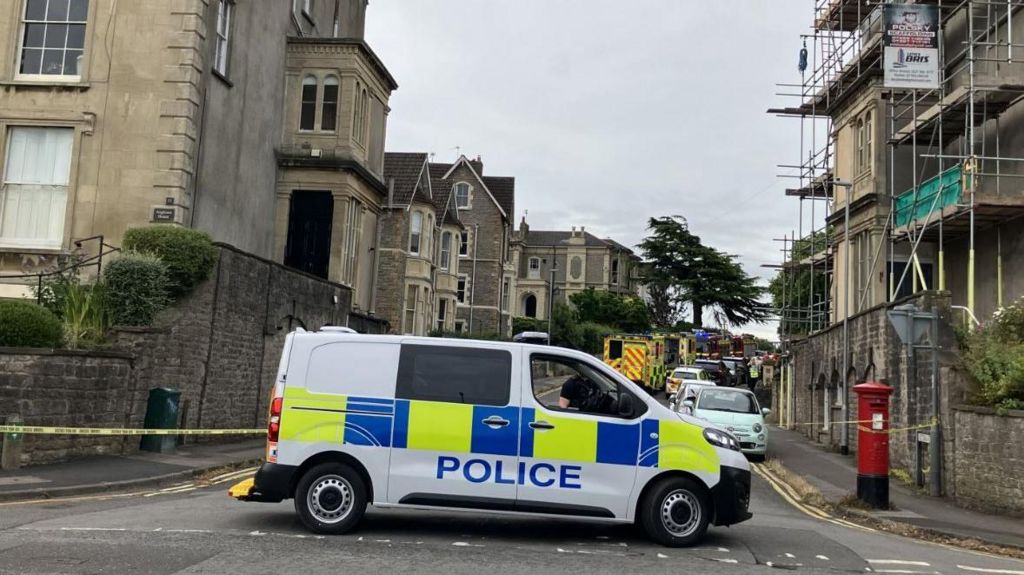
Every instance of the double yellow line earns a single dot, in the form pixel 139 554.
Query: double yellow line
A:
pixel 793 498
pixel 43 430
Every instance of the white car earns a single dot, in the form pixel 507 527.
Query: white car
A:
pixel 737 411
pixel 683 375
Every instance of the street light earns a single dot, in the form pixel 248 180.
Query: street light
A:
pixel 844 436
pixel 551 294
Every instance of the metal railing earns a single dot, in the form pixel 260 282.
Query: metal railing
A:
pixel 104 249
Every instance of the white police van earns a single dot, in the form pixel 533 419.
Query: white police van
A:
pixel 473 425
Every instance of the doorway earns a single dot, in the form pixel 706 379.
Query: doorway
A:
pixel 309 232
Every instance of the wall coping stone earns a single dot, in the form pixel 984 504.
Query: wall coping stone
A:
pixel 922 297
pixel 281 266
pixel 67 352
pixel 989 410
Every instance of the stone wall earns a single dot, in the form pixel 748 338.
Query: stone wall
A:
pixel 876 354
pixel 988 468
pixel 220 347
pixel 65 388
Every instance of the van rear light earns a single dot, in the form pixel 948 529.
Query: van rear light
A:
pixel 274 427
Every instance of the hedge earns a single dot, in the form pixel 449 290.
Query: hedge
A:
pixel 136 288
pixel 189 254
pixel 25 324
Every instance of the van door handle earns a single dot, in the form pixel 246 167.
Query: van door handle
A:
pixel 495 421
pixel 541 425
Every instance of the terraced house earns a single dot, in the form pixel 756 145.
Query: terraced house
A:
pixel 262 123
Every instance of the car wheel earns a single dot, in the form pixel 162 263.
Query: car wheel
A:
pixel 676 512
pixel 330 499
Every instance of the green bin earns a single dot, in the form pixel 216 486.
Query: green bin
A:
pixel 161 413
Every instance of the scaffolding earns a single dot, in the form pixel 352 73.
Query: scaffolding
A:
pixel 948 172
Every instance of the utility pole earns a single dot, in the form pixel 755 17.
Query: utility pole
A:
pixel 551 292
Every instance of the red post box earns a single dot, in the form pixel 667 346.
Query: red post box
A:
pixel 873 443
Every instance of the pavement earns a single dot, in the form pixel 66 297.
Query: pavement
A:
pixel 110 472
pixel 835 476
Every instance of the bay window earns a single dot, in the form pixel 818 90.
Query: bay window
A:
pixel 415 232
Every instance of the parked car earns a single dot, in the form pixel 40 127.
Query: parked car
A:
pixel 737 411
pixel 682 375
pixel 689 390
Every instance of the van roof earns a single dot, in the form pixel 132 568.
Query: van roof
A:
pixel 339 336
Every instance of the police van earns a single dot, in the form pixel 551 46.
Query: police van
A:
pixel 454 424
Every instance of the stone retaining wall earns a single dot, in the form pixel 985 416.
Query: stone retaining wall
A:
pixel 988 459
pixel 64 388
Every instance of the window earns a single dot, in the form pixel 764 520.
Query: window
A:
pixel 329 107
pixel 33 198
pixel 615 272
pixel 446 250
pixel 428 237
pixel 614 349
pixel 410 309
pixel 307 113
pixel 533 269
pixel 454 374
pixel 460 325
pixel 462 195
pixel 353 231
pixel 54 38
pixel 464 243
pixel 442 313
pixel 728 400
pixel 505 288
pixel 357 116
pixel 563 384
pixel 415 232
pixel 222 52
pixel 461 289
pixel 867 143
pixel 530 305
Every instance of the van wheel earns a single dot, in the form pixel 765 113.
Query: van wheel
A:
pixel 676 512
pixel 330 499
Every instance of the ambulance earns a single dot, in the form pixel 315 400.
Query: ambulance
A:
pixel 452 424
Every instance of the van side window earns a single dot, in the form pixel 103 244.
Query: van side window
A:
pixel 564 384
pixel 614 349
pixel 454 374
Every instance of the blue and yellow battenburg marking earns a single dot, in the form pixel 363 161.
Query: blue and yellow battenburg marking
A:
pixel 442 427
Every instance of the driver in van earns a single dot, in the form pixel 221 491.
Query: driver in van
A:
pixel 578 392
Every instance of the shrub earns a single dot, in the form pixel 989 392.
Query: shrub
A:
pixel 84 316
pixel 521 324
pixel 25 324
pixel 189 254
pixel 53 290
pixel 136 288
pixel 592 336
pixel 994 358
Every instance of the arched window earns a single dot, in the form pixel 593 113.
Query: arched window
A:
pixel 462 195
pixel 329 108
pixel 307 113
pixel 867 142
pixel 415 232
pixel 530 305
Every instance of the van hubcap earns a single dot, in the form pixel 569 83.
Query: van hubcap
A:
pixel 680 513
pixel 330 498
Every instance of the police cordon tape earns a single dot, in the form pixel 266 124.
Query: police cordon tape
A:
pixel 864 424
pixel 42 430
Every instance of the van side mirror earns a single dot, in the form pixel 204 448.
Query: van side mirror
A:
pixel 765 411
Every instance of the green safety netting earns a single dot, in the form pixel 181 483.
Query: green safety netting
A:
pixel 948 185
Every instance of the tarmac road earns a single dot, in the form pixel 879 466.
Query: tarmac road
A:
pixel 198 529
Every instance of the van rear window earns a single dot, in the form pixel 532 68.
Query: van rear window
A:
pixel 454 374
pixel 614 349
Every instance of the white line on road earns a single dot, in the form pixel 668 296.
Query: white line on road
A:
pixel 983 570
pixel 93 529
pixel 662 556
pixel 897 562
pixel 822 557
pixel 733 561
pixel 790 555
pixel 901 571
pixel 464 544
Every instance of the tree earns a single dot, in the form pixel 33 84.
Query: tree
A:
pixel 665 306
pixel 704 276
pixel 790 289
pixel 626 313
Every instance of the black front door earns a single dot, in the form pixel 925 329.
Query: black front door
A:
pixel 309 232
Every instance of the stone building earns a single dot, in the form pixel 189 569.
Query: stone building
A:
pixel 420 230
pixel 578 259
pixel 260 122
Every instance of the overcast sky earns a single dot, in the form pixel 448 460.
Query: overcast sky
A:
pixel 608 112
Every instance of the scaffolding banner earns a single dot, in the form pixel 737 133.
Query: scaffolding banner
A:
pixel 911 44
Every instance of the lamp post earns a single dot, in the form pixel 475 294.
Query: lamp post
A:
pixel 844 437
pixel 551 294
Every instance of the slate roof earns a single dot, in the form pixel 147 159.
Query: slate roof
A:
pixel 504 191
pixel 405 168
pixel 552 238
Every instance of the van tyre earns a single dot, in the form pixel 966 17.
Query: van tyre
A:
pixel 330 498
pixel 675 512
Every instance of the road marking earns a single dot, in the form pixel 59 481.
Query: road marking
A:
pixel 897 562
pixel 983 570
pixel 792 498
pixel 790 555
pixel 662 556
pixel 93 529
pixel 464 544
pixel 822 557
pixel 901 571
pixel 231 474
pixel 72 499
pixel 732 561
